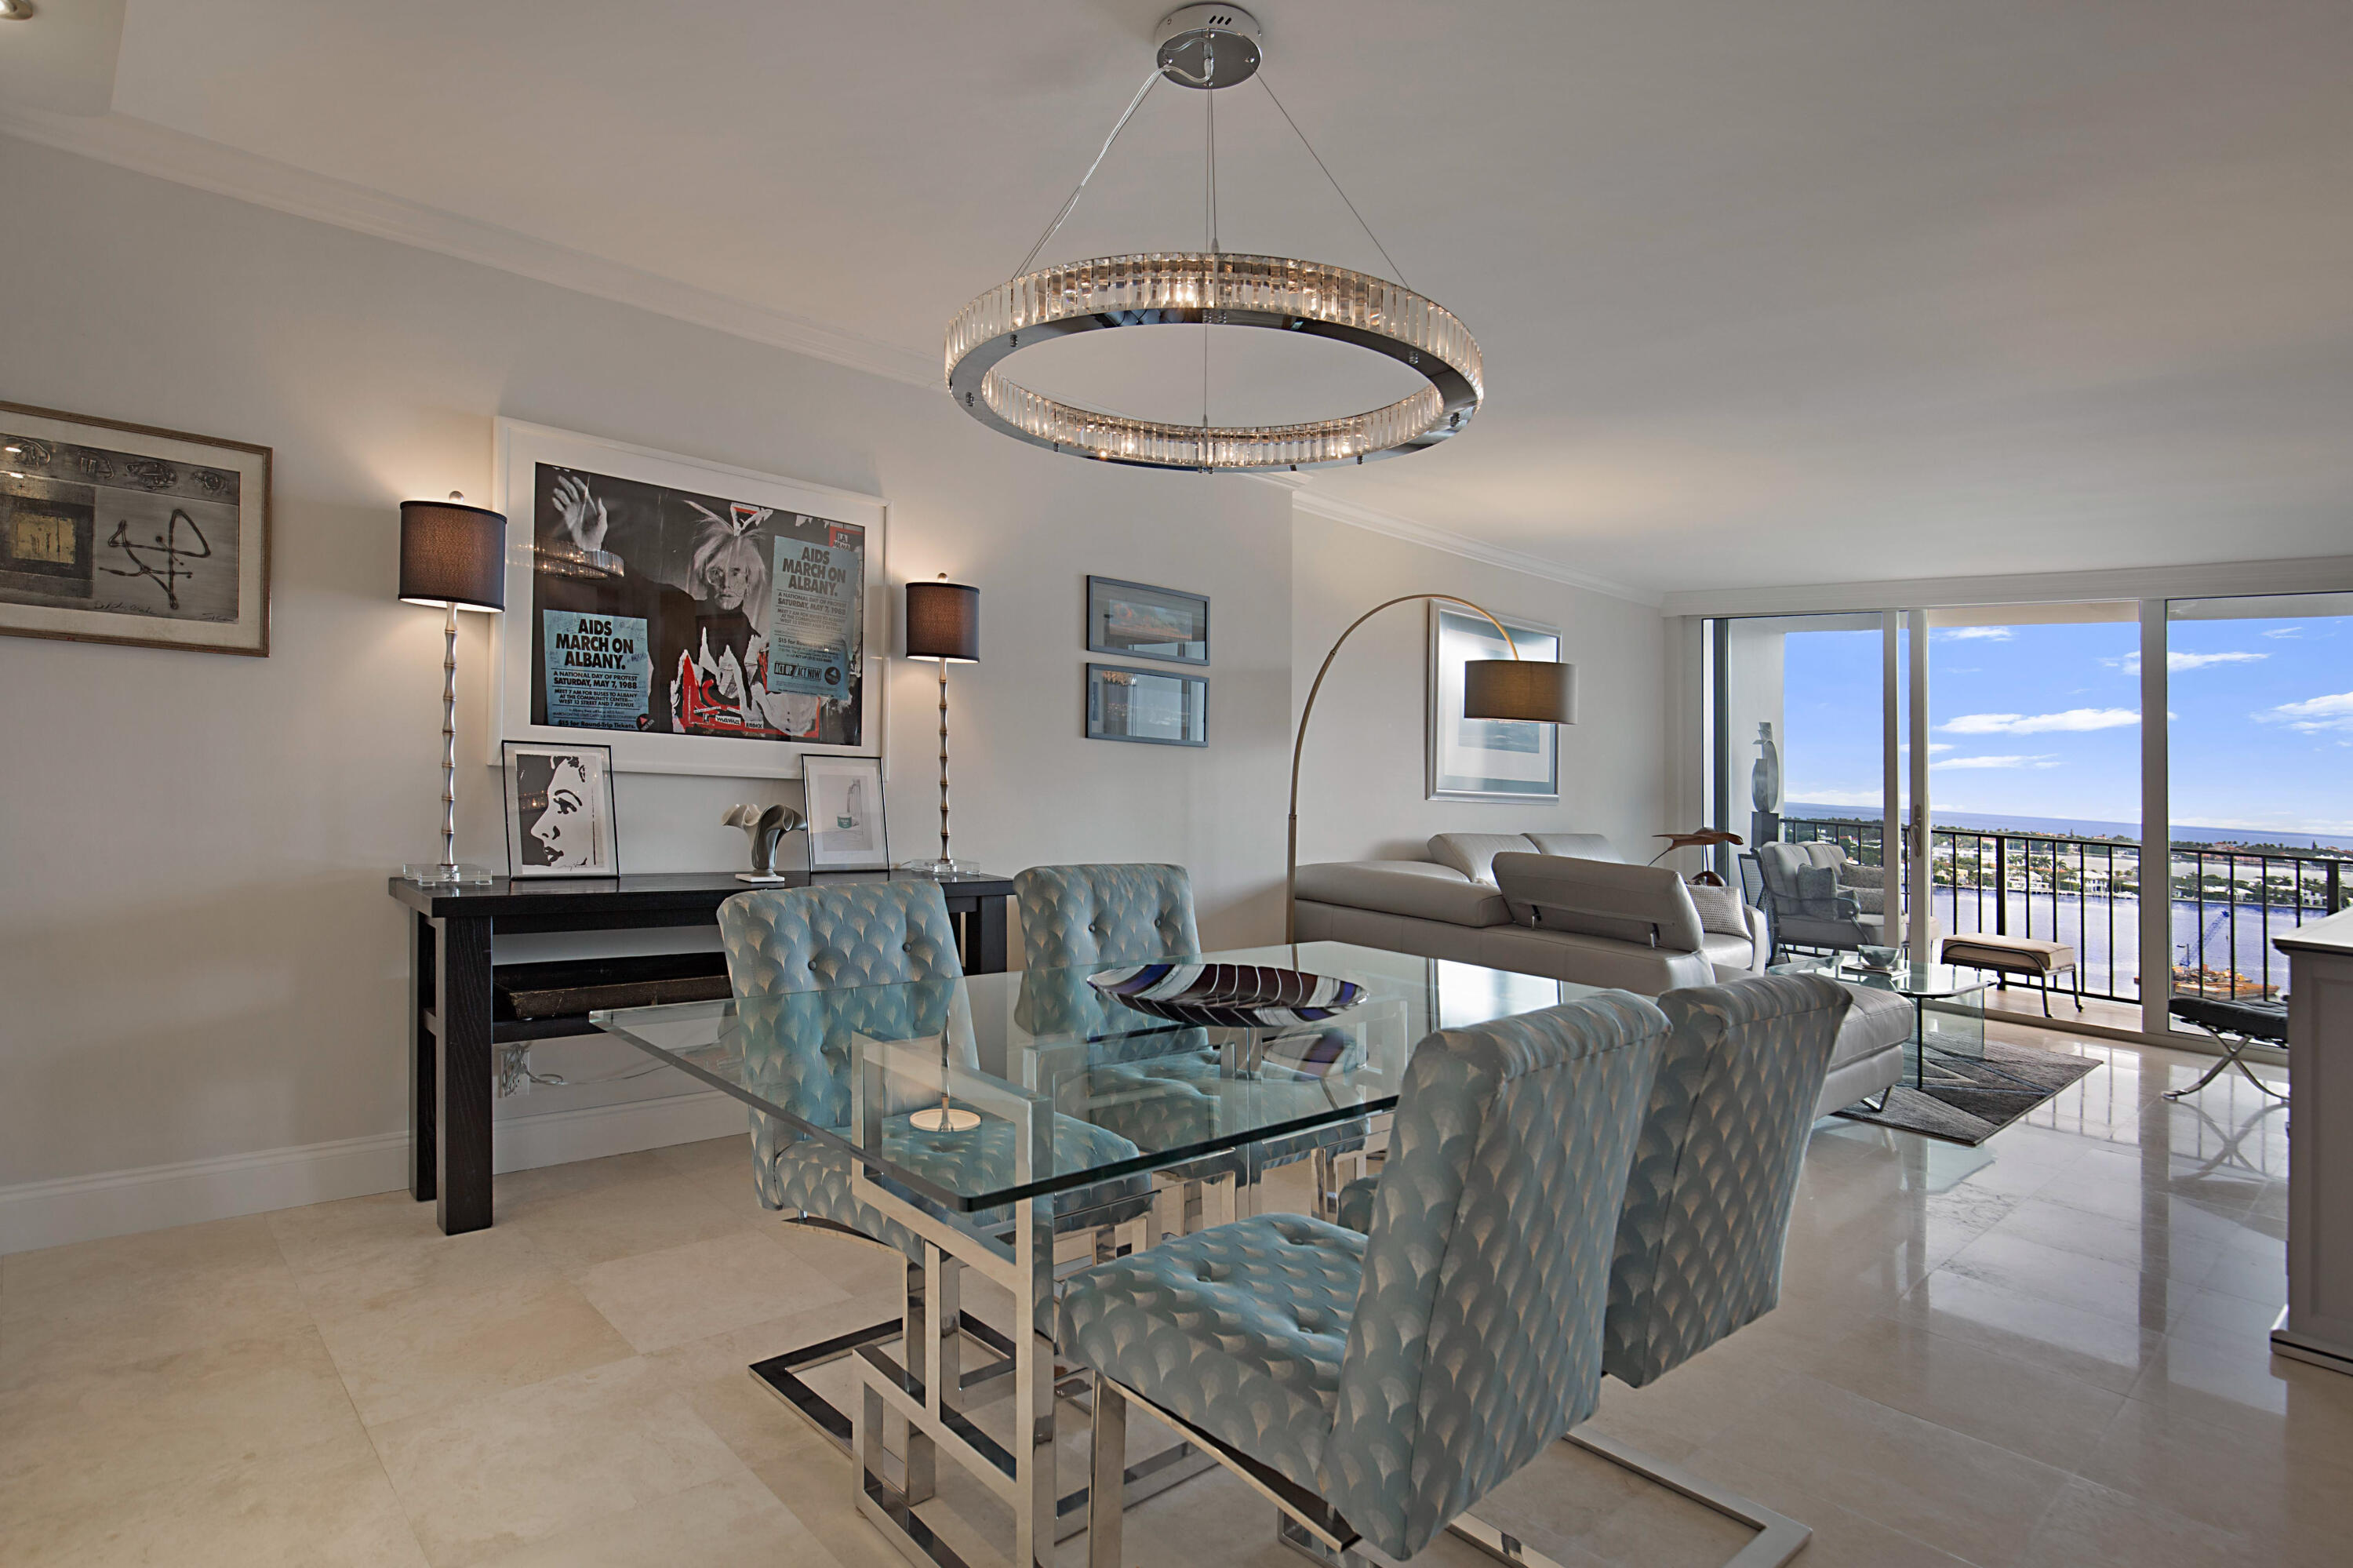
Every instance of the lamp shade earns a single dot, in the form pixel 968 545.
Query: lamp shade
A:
pixel 944 622
pixel 1528 689
pixel 453 553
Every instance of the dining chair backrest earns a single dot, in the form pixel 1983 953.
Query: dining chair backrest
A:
pixel 837 935
pixel 1476 1339
pixel 1105 913
pixel 811 968
pixel 1715 1172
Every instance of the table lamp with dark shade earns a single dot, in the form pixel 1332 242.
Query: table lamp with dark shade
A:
pixel 942 623
pixel 451 555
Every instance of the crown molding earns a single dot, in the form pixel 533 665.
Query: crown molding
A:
pixel 147 148
pixel 1374 519
pixel 2221 579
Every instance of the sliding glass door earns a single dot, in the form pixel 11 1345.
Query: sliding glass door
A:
pixel 2157 784
pixel 2259 706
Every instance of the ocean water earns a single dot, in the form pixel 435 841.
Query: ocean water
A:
pixel 2087 828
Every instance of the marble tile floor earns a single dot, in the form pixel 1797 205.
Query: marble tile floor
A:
pixel 2047 1349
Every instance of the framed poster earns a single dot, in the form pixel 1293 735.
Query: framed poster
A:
pixel 1485 759
pixel 695 618
pixel 1157 707
pixel 560 818
pixel 115 533
pixel 842 798
pixel 1139 622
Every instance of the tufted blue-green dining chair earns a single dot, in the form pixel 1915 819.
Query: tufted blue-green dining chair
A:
pixel 1377 1385
pixel 1709 1199
pixel 812 969
pixel 1160 1090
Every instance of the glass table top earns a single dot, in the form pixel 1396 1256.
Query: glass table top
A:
pixel 1067 1087
pixel 1906 978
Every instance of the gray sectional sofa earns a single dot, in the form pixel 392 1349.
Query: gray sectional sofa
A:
pixel 1566 907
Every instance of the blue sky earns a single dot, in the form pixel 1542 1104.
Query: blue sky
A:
pixel 2043 721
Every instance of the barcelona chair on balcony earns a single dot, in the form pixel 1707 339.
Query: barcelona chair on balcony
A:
pixel 1375 1386
pixel 1707 1206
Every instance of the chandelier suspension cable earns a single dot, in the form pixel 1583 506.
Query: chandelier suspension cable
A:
pixel 1396 272
pixel 1062 217
pixel 1209 101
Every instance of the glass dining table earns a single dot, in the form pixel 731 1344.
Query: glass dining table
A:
pixel 1076 1126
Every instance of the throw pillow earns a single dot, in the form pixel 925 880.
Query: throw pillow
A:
pixel 1719 909
pixel 1818 884
pixel 1854 873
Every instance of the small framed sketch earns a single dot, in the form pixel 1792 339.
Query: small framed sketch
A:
pixel 560 810
pixel 1137 622
pixel 114 532
pixel 1485 759
pixel 843 801
pixel 1158 707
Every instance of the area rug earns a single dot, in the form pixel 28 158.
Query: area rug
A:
pixel 1965 1100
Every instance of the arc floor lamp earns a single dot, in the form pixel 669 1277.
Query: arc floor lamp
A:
pixel 1534 690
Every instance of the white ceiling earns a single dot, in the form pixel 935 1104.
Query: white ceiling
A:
pixel 1822 289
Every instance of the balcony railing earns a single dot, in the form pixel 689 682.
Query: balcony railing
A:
pixel 2227 903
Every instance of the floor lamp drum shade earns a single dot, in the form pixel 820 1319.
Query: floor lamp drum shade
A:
pixel 453 553
pixel 944 622
pixel 1535 690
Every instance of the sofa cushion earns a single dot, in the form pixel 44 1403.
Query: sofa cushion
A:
pixel 1583 846
pixel 1728 954
pixel 1720 909
pixel 1473 854
pixel 1647 905
pixel 1414 887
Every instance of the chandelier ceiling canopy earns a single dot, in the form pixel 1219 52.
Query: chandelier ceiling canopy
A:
pixel 1211 47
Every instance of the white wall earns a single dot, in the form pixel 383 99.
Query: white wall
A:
pixel 198 956
pixel 1363 781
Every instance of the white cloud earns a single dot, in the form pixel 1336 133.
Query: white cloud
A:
pixel 2130 662
pixel 2285 632
pixel 2044 761
pixel 2040 724
pixel 2313 715
pixel 1975 634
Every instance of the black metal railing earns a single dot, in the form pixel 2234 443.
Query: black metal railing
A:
pixel 2227 904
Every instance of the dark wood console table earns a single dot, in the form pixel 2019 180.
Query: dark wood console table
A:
pixel 451 1022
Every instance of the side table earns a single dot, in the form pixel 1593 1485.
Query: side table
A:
pixel 452 1025
pixel 1949 1008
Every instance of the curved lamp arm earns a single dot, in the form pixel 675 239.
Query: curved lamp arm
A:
pixel 1298 744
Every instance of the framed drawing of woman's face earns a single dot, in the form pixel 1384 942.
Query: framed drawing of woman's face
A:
pixel 560 810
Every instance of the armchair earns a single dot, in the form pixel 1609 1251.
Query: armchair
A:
pixel 1810 901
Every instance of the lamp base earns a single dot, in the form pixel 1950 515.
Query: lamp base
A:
pixel 944 1118
pixel 939 868
pixel 433 875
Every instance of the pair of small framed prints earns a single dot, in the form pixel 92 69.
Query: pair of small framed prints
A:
pixel 1153 707
pixel 561 822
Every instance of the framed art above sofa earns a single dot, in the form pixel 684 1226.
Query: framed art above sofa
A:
pixel 1485 759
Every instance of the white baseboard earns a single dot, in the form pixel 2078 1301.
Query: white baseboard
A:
pixel 117 1202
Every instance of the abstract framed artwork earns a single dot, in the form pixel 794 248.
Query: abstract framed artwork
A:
pixel 560 819
pixel 842 799
pixel 1485 759
pixel 116 532
pixel 1136 620
pixel 1156 707
pixel 697 619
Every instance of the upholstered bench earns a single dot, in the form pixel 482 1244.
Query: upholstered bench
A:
pixel 2031 957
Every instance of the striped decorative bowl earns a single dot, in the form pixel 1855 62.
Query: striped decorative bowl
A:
pixel 1238 996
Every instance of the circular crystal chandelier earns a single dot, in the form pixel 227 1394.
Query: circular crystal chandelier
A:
pixel 1211 47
